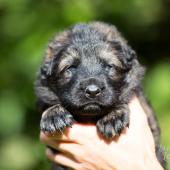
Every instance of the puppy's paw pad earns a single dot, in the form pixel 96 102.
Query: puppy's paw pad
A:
pixel 55 120
pixel 105 129
pixel 110 128
pixel 63 121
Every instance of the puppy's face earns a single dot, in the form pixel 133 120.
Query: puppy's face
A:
pixel 88 78
pixel 91 69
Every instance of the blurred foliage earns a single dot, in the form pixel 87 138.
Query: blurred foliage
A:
pixel 25 28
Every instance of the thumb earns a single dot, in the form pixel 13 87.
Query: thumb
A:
pixel 138 118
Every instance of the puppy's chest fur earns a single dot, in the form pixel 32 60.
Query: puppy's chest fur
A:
pixel 89 74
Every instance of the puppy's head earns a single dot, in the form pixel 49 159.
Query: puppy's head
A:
pixel 91 68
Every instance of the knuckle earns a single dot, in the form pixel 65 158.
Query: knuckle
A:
pixel 42 136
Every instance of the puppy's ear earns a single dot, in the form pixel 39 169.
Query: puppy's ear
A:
pixel 125 53
pixel 133 77
pixel 55 48
pixel 116 40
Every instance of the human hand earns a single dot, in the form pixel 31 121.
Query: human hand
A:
pixel 81 148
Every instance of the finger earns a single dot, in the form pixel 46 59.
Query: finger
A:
pixel 55 136
pixel 46 139
pixel 51 142
pixel 78 131
pixel 62 159
pixel 73 134
pixel 64 147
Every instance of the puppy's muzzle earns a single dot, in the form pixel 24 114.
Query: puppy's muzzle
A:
pixel 92 87
pixel 92 91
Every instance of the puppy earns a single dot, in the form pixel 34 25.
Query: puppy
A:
pixel 89 74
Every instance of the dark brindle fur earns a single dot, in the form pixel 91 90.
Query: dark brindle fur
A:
pixel 89 74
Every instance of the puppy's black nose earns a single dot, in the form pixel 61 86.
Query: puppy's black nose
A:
pixel 92 91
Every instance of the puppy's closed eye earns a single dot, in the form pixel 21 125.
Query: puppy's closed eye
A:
pixel 69 71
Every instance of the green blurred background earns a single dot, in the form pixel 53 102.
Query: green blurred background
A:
pixel 25 28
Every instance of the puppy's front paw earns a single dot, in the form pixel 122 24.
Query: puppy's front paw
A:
pixel 112 124
pixel 56 119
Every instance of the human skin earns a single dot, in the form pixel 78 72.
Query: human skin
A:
pixel 82 148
